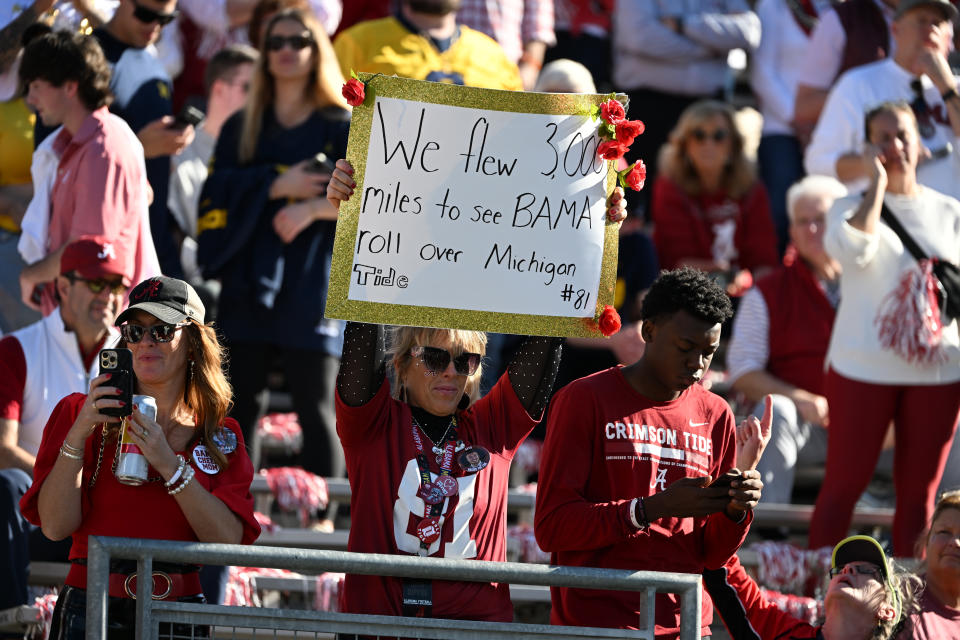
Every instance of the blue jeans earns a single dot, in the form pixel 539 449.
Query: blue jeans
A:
pixel 780 161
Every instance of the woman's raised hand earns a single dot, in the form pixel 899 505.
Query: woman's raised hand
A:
pixel 616 206
pixel 298 182
pixel 341 183
pixel 99 397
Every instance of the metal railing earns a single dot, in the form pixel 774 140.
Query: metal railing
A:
pixel 152 612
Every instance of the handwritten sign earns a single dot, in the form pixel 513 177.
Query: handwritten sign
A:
pixel 474 209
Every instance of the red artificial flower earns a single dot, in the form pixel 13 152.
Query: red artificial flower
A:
pixel 612 112
pixel 609 321
pixel 354 92
pixel 627 130
pixel 611 150
pixel 636 176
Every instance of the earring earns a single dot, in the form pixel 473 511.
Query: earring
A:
pixel 190 372
pixel 464 402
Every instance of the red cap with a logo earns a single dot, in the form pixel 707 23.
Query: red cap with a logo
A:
pixel 95 257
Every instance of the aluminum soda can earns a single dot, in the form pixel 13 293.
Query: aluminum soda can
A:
pixel 131 465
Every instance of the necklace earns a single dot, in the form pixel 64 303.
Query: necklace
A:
pixel 436 448
pixel 116 456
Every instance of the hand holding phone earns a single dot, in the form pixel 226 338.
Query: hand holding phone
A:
pixel 188 116
pixel 119 364
pixel 320 163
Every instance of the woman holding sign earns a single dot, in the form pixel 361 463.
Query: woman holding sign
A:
pixel 428 459
pixel 266 231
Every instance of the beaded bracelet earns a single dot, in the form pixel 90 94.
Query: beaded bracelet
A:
pixel 67 453
pixel 187 477
pixel 181 463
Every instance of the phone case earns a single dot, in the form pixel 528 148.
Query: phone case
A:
pixel 119 364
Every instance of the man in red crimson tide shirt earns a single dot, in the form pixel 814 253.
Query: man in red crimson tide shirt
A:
pixel 39 365
pixel 637 465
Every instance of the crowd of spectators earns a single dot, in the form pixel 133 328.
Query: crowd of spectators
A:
pixel 196 139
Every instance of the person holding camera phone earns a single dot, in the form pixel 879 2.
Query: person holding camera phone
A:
pixel 39 364
pixel 637 470
pixel 428 458
pixel 198 481
pixel 266 230
pixel 892 355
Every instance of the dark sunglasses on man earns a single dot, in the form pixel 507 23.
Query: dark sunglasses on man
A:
pixel 147 15
pixel 133 333
pixel 97 285
pixel 437 360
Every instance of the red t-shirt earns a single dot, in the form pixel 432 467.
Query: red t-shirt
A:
pixel 686 226
pixel 13 378
pixel 606 445
pixel 147 511
pixel 934 621
pixel 385 510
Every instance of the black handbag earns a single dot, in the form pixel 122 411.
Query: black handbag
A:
pixel 947 273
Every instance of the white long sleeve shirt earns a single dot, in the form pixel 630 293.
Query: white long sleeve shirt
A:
pixel 778 63
pixel 873 265
pixel 648 54
pixel 841 126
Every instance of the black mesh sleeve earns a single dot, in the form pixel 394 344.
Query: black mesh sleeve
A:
pixel 534 370
pixel 363 364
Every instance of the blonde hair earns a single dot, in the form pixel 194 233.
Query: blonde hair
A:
pixel 738 175
pixel 948 500
pixel 206 391
pixel 323 87
pixel 402 339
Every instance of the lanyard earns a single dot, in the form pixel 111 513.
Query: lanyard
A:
pixel 434 493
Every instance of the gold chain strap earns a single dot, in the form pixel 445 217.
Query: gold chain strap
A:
pixel 103 443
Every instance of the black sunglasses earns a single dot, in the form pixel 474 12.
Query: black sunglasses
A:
pixel 99 284
pixel 275 43
pixel 857 569
pixel 133 333
pixel 718 136
pixel 147 15
pixel 437 360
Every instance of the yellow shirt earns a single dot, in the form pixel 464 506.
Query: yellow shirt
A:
pixel 16 143
pixel 386 46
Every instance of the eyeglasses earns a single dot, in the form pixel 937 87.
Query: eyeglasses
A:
pixel 857 569
pixel 437 360
pixel 147 15
pixel 99 284
pixel 717 136
pixel 276 43
pixel 133 333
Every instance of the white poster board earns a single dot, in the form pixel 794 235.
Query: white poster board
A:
pixel 471 216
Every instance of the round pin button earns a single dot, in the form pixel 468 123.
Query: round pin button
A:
pixel 431 493
pixel 428 530
pixel 449 486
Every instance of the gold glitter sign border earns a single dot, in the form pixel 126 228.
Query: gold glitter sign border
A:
pixel 338 303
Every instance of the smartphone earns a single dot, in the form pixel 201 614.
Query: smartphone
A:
pixel 188 116
pixel 119 364
pixel 724 481
pixel 320 163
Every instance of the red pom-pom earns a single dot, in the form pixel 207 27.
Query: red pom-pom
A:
pixel 609 321
pixel 354 92
pixel 909 318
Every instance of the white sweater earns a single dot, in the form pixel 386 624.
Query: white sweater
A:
pixel 872 267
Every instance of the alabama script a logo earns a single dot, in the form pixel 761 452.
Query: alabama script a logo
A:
pixel 661 480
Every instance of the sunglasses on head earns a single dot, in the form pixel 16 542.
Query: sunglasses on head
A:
pixel 436 360
pixel 99 284
pixel 857 569
pixel 276 43
pixel 147 15
pixel 133 333
pixel 717 136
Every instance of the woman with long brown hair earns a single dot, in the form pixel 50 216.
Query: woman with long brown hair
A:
pixel 709 209
pixel 266 230
pixel 198 479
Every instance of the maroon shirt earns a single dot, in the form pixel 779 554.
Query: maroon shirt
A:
pixel 381 455
pixel 935 621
